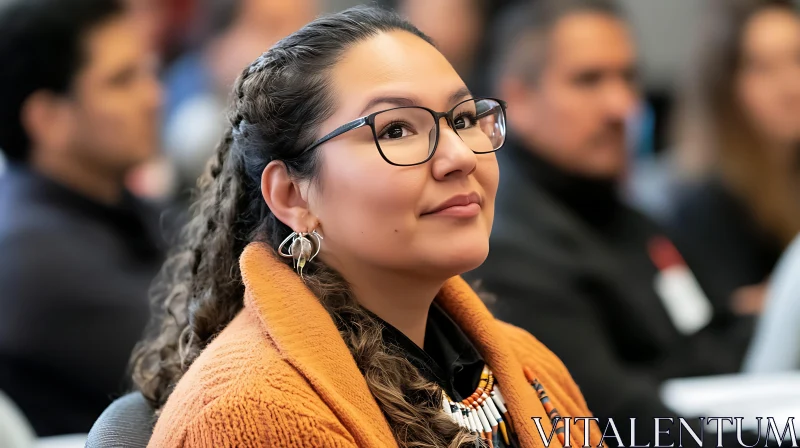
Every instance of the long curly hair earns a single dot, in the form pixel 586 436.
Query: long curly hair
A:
pixel 279 102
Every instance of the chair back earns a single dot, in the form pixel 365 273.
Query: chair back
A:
pixel 128 422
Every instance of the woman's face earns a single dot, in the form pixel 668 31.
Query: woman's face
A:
pixel 374 215
pixel 768 82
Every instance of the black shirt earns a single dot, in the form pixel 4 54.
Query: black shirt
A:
pixel 449 358
pixel 74 277
pixel 571 263
pixel 722 241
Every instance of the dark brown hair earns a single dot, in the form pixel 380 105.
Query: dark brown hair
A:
pixel 713 134
pixel 522 30
pixel 279 102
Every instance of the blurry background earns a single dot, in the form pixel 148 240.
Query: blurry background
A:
pixel 202 45
pixel 181 30
pixel 186 31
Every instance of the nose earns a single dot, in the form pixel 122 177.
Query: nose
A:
pixel 621 100
pixel 453 157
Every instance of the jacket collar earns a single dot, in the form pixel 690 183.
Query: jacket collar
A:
pixel 306 336
pixel 465 308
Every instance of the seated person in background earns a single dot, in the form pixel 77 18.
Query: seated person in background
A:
pixel 591 278
pixel 739 143
pixel 198 83
pixel 374 339
pixel 78 109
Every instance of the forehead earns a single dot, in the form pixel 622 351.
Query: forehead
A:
pixel 772 28
pixel 591 38
pixel 113 45
pixel 396 63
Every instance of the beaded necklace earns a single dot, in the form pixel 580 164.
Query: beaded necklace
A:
pixel 485 412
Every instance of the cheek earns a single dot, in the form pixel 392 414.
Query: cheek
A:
pixel 488 176
pixel 756 98
pixel 366 206
pixel 106 121
pixel 121 111
pixel 563 107
pixel 562 126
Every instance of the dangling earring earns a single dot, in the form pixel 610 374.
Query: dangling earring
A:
pixel 301 248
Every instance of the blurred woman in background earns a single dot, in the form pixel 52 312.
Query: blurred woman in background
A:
pixel 740 134
pixel 357 129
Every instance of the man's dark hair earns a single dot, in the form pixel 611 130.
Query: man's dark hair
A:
pixel 41 48
pixel 521 33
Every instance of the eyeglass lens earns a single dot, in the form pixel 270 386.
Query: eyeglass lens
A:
pixel 407 135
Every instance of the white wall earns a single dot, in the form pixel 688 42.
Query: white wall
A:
pixel 666 31
pixel 338 5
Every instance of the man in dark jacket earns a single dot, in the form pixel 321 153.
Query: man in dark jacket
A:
pixel 596 281
pixel 79 107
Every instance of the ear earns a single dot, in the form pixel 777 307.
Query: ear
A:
pixel 521 97
pixel 516 91
pixel 48 121
pixel 287 198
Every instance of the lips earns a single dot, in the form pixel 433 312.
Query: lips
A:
pixel 460 205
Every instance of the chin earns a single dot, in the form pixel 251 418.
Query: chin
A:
pixel 606 170
pixel 461 258
pixel 448 249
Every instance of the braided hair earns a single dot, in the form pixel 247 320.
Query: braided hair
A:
pixel 279 102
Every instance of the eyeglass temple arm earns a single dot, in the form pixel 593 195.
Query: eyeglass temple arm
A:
pixel 486 113
pixel 347 127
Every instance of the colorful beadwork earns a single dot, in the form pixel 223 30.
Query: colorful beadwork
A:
pixel 484 412
pixel 552 412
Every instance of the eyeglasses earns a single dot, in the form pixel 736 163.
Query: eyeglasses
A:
pixel 409 135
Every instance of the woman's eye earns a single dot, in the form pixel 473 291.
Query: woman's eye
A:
pixel 395 131
pixel 464 121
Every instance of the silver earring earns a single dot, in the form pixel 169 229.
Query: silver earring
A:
pixel 301 249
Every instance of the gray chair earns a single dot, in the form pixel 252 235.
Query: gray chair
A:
pixel 128 422
pixel 15 431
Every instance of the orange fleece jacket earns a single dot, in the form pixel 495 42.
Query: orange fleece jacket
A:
pixel 280 375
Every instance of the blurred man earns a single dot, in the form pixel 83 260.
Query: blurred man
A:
pixel 79 106
pixel 594 280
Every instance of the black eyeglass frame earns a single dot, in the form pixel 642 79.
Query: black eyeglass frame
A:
pixel 369 120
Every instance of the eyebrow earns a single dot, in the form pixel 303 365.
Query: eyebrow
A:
pixel 460 94
pixel 122 75
pixel 399 101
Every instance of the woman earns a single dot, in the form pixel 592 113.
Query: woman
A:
pixel 741 128
pixel 346 229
